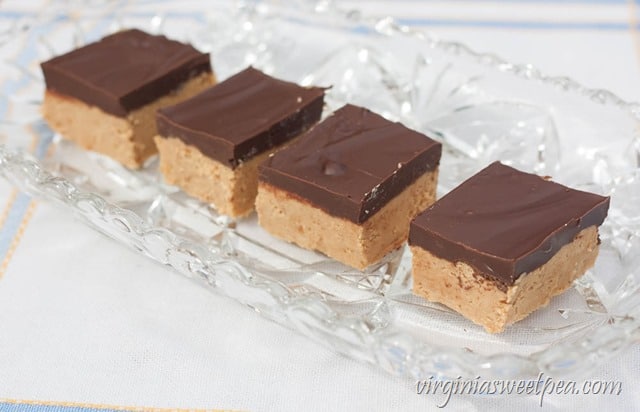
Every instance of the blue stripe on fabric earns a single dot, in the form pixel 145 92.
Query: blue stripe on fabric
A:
pixel 25 407
pixel 5 14
pixel 537 25
pixel 195 15
pixel 46 137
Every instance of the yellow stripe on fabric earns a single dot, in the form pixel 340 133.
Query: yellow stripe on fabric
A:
pixel 7 209
pixel 18 236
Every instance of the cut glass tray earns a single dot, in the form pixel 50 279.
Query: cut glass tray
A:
pixel 479 106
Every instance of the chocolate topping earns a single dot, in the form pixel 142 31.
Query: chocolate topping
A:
pixel 504 222
pixel 124 71
pixel 243 116
pixel 353 163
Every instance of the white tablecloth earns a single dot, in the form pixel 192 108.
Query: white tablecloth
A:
pixel 87 323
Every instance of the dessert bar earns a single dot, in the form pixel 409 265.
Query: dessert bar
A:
pixel 349 187
pixel 503 243
pixel 211 145
pixel 104 95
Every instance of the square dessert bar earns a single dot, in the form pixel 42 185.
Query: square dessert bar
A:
pixel 211 144
pixel 349 187
pixel 503 243
pixel 104 95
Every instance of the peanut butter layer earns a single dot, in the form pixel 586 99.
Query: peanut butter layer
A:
pixel 486 301
pixel 128 139
pixel 231 191
pixel 294 219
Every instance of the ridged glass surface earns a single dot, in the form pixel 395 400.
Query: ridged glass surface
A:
pixel 481 107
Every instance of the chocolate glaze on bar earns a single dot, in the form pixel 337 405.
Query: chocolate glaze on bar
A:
pixel 353 163
pixel 504 222
pixel 124 71
pixel 243 116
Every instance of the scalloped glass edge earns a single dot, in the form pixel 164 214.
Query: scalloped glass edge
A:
pixel 307 311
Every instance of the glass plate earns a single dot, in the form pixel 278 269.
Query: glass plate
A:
pixel 481 107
